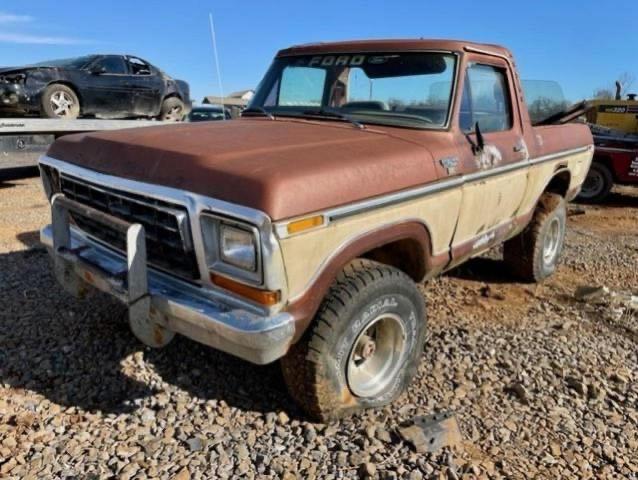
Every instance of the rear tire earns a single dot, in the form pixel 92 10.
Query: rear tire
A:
pixel 533 254
pixel 172 110
pixel 597 184
pixel 59 101
pixel 363 348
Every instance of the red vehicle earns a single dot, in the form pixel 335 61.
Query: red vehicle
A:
pixel 615 162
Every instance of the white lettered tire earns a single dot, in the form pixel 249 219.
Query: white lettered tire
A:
pixel 364 345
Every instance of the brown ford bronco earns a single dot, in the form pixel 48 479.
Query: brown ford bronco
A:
pixel 300 231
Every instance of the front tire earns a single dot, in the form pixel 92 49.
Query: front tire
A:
pixel 363 347
pixel 597 184
pixel 533 255
pixel 172 110
pixel 60 101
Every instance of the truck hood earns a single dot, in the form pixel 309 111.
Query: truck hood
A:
pixel 285 167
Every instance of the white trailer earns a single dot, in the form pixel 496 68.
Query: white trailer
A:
pixel 24 140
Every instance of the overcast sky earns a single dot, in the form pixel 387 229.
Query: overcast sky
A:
pixel 584 45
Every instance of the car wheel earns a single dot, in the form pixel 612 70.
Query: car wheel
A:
pixel 172 110
pixel 60 101
pixel 363 347
pixel 597 184
pixel 533 255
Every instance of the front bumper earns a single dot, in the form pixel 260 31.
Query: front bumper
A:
pixel 159 304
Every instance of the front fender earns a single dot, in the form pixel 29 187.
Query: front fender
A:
pixel 304 307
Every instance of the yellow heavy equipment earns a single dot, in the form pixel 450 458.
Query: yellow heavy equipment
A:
pixel 618 114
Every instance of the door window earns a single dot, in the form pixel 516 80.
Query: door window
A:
pixel 138 66
pixel 112 64
pixel 486 100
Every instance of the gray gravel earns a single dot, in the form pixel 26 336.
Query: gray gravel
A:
pixel 542 385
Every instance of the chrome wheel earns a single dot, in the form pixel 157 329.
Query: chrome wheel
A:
pixel 174 114
pixel 61 103
pixel 376 356
pixel 552 240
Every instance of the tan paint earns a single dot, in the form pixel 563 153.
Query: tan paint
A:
pixel 304 254
pixel 540 175
pixel 488 203
pixel 479 206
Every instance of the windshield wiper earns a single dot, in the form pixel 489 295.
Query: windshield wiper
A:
pixel 261 110
pixel 333 113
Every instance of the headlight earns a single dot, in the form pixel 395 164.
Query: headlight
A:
pixel 238 247
pixel 232 248
pixel 13 78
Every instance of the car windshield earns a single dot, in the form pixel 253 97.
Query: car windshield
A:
pixel 204 114
pixel 77 62
pixel 399 89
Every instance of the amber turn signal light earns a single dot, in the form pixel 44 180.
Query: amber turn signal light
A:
pixel 264 297
pixel 305 224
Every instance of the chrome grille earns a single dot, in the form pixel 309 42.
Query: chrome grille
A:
pixel 168 238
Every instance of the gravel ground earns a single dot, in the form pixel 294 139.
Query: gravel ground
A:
pixel 542 385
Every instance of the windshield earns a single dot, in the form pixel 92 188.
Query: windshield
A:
pixel 77 62
pixel 400 89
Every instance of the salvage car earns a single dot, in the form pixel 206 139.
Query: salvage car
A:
pixel 300 231
pixel 104 86
pixel 207 113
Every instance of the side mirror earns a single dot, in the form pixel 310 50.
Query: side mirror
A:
pixel 480 142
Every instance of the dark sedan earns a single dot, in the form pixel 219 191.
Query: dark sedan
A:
pixel 104 86
pixel 207 113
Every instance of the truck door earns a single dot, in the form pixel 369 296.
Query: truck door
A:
pixel 496 179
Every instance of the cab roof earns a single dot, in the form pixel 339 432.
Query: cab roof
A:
pixel 391 45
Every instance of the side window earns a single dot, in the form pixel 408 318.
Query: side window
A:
pixel 139 67
pixel 486 100
pixel 302 86
pixel 112 64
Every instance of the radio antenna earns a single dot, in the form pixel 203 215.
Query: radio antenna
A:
pixel 219 74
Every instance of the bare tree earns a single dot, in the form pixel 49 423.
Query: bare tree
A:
pixel 626 81
pixel 544 107
pixel 603 94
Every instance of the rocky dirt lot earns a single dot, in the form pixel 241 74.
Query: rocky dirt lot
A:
pixel 543 385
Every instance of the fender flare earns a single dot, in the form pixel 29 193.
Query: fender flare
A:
pixel 557 184
pixel 304 307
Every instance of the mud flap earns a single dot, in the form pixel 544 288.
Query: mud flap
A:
pixel 142 317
